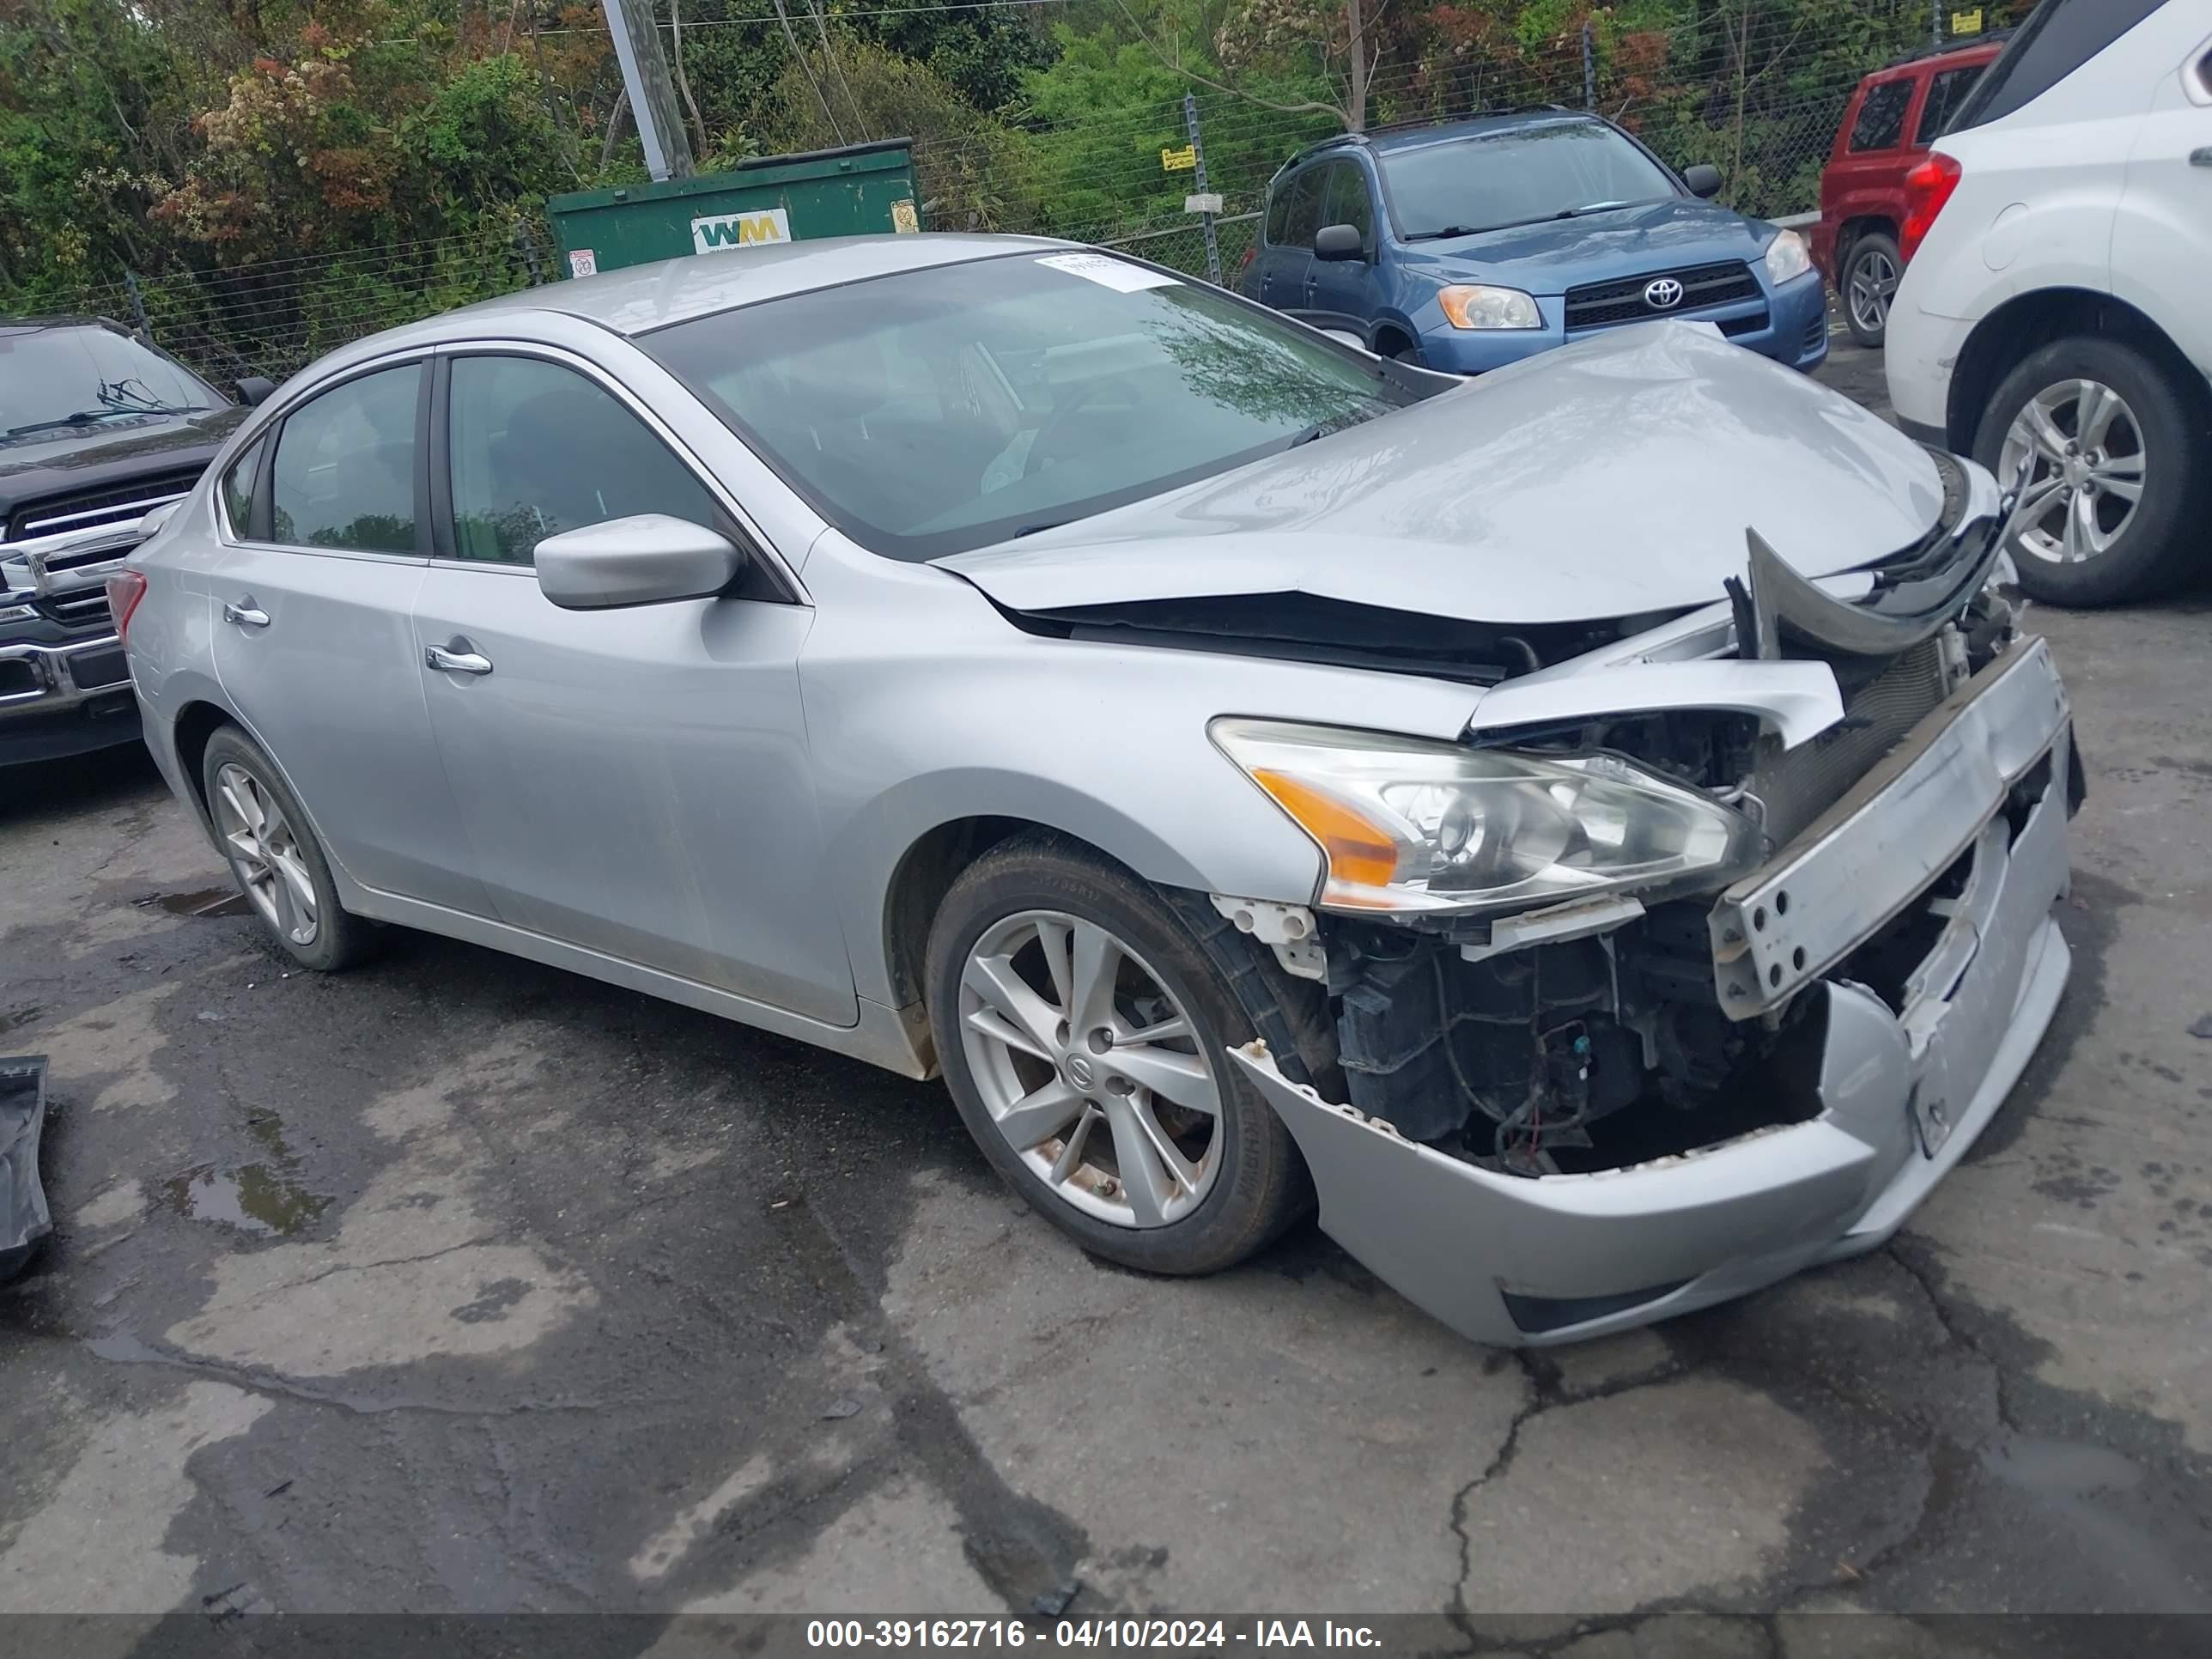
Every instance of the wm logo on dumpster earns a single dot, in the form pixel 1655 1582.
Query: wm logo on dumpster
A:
pixel 727 230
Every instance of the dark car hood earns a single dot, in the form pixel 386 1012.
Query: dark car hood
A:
pixel 1558 254
pixel 72 460
pixel 1611 478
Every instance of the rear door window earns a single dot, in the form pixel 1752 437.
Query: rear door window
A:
pixel 2057 39
pixel 345 474
pixel 1945 94
pixel 1304 217
pixel 1880 124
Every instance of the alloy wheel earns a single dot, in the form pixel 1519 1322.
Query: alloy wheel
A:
pixel 265 853
pixel 1090 1068
pixel 1873 285
pixel 2086 477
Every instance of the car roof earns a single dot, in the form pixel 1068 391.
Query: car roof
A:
pixel 1476 126
pixel 1931 58
pixel 1388 139
pixel 638 298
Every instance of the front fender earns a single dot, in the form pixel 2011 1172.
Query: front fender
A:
pixel 925 705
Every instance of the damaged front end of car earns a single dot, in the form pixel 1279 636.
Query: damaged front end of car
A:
pixel 1699 959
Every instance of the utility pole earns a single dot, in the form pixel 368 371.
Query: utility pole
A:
pixel 1935 24
pixel 652 92
pixel 1358 110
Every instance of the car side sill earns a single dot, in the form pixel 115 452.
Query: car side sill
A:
pixel 887 1037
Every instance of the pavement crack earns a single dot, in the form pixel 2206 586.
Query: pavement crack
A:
pixel 122 1347
pixel 1958 1334
pixel 1542 1379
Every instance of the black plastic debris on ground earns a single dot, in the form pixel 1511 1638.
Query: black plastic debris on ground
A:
pixel 24 1223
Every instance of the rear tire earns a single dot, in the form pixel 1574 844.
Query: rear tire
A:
pixel 1870 275
pixel 275 857
pixel 1238 1180
pixel 2154 441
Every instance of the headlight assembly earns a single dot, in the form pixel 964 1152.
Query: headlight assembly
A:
pixel 1787 258
pixel 1408 825
pixel 1479 305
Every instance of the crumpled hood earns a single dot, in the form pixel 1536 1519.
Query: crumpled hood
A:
pixel 1610 478
pixel 1549 258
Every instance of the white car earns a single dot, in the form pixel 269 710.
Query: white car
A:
pixel 2057 314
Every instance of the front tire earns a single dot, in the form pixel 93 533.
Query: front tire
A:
pixel 1871 278
pixel 1083 1030
pixel 2114 445
pixel 275 858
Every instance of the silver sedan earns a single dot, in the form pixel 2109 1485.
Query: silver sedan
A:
pixel 1253 772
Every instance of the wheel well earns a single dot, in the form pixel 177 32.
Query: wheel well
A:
pixel 196 724
pixel 2004 338
pixel 918 888
pixel 1853 229
pixel 1390 341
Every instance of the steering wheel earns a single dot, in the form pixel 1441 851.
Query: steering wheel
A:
pixel 1040 445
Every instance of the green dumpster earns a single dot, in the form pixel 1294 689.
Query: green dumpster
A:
pixel 856 191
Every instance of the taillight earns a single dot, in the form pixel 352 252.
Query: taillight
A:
pixel 1927 187
pixel 125 589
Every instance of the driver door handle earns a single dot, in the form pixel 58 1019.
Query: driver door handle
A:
pixel 245 613
pixel 456 661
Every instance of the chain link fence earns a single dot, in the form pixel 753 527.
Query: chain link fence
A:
pixel 1757 93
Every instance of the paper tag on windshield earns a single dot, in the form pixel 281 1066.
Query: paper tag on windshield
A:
pixel 1109 272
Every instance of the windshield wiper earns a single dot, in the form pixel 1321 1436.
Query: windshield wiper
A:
pixel 1458 230
pixel 79 418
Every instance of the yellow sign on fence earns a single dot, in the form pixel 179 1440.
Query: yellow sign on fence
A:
pixel 1966 22
pixel 1179 161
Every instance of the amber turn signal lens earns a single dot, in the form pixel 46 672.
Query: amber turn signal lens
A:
pixel 1360 852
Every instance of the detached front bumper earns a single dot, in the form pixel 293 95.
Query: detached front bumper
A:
pixel 1978 791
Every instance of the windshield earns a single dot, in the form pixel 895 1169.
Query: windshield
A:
pixel 82 375
pixel 1516 178
pixel 937 410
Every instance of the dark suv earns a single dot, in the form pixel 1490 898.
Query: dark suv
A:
pixel 97 431
pixel 1887 126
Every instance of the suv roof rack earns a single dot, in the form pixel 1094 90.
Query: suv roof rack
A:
pixel 1349 140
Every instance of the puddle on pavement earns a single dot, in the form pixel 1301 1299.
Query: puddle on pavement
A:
pixel 266 1198
pixel 206 901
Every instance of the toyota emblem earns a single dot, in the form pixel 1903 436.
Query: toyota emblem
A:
pixel 1662 294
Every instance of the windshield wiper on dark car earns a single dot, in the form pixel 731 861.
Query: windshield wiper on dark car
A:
pixel 79 417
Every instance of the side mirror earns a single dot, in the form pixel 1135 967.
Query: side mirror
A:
pixel 650 559
pixel 255 389
pixel 1703 180
pixel 1339 242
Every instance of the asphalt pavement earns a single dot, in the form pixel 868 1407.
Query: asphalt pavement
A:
pixel 456 1283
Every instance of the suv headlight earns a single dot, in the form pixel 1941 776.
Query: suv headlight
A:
pixel 1787 257
pixel 1479 305
pixel 1408 825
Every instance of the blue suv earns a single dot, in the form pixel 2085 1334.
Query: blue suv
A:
pixel 1468 246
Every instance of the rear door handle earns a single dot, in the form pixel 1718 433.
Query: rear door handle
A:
pixel 456 661
pixel 245 613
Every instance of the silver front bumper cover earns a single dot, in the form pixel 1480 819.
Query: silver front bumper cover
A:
pixel 1514 1261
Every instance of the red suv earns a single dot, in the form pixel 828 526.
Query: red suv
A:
pixel 1887 127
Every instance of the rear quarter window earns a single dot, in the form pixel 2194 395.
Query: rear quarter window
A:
pixel 2057 39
